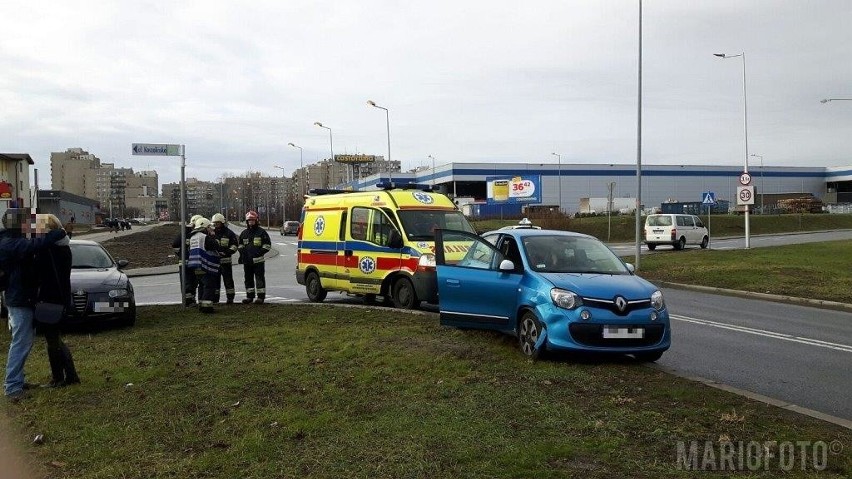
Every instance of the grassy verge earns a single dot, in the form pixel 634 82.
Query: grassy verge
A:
pixel 811 270
pixel 623 228
pixel 301 391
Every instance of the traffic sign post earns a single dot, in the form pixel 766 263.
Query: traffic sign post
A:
pixel 745 197
pixel 709 199
pixel 162 149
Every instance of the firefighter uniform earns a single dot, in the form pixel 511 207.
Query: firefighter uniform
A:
pixel 254 243
pixel 189 281
pixel 203 261
pixel 227 245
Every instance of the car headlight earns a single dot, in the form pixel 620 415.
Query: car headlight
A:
pixel 565 299
pixel 426 262
pixel 117 293
pixel 657 300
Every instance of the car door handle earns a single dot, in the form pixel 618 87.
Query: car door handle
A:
pixel 453 282
pixel 347 252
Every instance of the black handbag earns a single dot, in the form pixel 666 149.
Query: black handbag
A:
pixel 49 313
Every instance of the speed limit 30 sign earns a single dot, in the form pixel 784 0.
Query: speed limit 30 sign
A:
pixel 745 195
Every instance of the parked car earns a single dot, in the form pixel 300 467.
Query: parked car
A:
pixel 100 291
pixel 553 290
pixel 290 228
pixel 676 230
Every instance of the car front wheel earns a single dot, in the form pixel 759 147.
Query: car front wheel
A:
pixel 313 286
pixel 529 331
pixel 404 296
pixel 704 242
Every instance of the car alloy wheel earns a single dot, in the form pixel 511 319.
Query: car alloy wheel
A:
pixel 528 334
pixel 316 293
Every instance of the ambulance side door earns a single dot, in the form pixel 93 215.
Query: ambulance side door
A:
pixel 368 257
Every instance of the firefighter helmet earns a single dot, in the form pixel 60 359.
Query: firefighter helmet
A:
pixel 202 223
pixel 251 215
pixel 218 218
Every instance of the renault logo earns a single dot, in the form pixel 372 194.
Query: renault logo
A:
pixel 620 303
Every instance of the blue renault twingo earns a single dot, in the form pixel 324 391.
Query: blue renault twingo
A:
pixel 553 290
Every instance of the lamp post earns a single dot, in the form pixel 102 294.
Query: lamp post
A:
pixel 283 196
pixel 559 159
pixel 301 167
pixel 762 190
pixel 745 128
pixel 330 141
pixel 387 122
pixel 433 168
pixel 638 222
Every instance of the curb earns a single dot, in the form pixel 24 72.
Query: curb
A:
pixel 757 397
pixel 815 303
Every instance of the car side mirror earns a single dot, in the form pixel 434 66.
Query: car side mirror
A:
pixel 122 263
pixel 395 239
pixel 507 265
pixel 630 267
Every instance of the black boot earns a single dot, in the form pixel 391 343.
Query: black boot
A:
pixel 230 300
pixel 54 355
pixel 68 363
pixel 247 300
pixel 259 299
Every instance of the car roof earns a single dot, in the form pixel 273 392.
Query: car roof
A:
pixel 85 242
pixel 526 232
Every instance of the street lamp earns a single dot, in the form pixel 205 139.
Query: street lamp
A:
pixel 387 122
pixel 762 190
pixel 433 168
pixel 826 100
pixel 283 195
pixel 301 168
pixel 745 128
pixel 559 159
pixel 330 140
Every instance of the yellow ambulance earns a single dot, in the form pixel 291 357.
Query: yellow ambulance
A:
pixel 375 243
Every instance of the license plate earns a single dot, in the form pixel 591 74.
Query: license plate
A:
pixel 614 332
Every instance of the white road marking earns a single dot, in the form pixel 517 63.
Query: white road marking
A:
pixel 769 334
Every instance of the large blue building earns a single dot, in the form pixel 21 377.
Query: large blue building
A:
pixel 566 185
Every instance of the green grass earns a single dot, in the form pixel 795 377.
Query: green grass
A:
pixel 623 228
pixel 810 270
pixel 302 391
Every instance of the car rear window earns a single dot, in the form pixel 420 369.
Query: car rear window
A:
pixel 664 220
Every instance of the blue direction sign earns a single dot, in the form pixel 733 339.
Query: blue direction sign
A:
pixel 709 198
pixel 155 149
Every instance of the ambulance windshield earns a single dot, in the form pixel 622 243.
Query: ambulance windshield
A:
pixel 420 225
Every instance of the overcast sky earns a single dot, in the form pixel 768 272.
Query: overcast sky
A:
pixel 464 81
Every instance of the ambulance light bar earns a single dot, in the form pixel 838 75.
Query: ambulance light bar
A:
pixel 404 186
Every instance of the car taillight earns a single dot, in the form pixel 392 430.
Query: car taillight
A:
pixel 674 233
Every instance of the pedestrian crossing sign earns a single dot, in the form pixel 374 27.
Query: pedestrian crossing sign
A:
pixel 709 198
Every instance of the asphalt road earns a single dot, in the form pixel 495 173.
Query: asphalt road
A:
pixel 796 354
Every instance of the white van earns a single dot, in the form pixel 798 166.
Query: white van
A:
pixel 676 230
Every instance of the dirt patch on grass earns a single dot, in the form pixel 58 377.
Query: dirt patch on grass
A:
pixel 145 249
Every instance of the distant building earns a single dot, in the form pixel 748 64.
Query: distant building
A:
pixel 67 206
pixel 15 180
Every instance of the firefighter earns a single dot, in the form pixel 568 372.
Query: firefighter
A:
pixel 227 241
pixel 190 285
pixel 203 261
pixel 254 243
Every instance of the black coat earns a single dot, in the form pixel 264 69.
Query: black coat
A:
pixel 54 273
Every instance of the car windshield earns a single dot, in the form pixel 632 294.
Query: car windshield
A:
pixel 88 256
pixel 420 225
pixel 571 254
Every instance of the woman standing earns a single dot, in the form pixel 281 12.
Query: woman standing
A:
pixel 54 270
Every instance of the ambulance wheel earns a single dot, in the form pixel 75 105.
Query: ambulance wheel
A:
pixel 404 296
pixel 316 293
pixel 369 299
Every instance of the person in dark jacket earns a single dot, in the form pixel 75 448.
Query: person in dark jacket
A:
pixel 189 281
pixel 254 244
pixel 228 242
pixel 53 265
pixel 16 259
